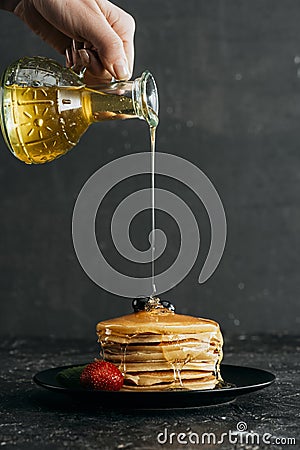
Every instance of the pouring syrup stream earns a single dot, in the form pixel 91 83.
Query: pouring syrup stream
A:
pixel 152 138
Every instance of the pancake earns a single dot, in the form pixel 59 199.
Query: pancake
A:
pixel 157 349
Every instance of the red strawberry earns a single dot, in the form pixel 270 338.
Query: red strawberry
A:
pixel 102 375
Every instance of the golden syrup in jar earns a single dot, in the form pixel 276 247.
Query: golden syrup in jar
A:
pixel 43 123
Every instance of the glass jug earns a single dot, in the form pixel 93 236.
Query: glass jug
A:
pixel 46 108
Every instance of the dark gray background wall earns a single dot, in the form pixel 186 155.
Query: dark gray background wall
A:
pixel 229 82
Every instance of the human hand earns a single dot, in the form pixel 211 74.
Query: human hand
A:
pixel 95 34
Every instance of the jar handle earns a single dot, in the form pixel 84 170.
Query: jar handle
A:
pixel 72 58
pixel 74 64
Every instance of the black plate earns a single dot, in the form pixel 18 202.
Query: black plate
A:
pixel 245 380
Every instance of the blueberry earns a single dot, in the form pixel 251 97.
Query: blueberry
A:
pixel 139 303
pixel 168 305
pixel 146 303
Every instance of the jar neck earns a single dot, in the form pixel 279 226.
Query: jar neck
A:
pixel 126 99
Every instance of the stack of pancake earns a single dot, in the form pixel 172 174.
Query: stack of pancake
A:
pixel 160 350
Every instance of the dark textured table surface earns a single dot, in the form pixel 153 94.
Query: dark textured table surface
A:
pixel 35 418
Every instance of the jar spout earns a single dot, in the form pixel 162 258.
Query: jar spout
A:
pixel 145 98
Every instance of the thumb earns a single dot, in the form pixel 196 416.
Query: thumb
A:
pixel 109 47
